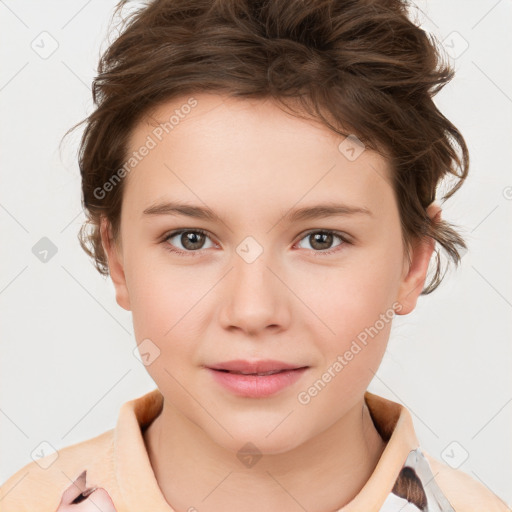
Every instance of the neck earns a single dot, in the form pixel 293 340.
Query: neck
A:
pixel 323 474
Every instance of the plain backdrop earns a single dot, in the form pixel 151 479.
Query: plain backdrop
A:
pixel 67 360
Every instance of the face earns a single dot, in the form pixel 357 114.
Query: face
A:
pixel 248 234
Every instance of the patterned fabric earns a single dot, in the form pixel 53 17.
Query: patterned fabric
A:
pixel 415 489
pixel 81 497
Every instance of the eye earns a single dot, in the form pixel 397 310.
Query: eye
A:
pixel 191 240
pixel 321 241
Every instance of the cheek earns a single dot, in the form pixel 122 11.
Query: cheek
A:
pixel 156 294
pixel 163 305
pixel 354 297
pixel 360 314
pixel 167 303
pixel 357 305
pixel 361 326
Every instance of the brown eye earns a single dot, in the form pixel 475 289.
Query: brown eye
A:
pixel 190 240
pixel 321 241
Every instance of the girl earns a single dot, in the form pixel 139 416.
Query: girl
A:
pixel 260 181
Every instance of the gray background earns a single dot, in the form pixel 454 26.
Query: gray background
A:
pixel 66 358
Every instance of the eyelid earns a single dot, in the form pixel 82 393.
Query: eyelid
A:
pixel 344 236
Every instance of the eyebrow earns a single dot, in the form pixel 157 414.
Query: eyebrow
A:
pixel 299 214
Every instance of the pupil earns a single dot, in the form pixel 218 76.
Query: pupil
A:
pixel 322 238
pixel 191 240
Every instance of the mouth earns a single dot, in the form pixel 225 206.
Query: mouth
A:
pixel 261 368
pixel 258 379
pixel 259 374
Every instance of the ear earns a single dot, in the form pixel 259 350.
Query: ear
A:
pixel 415 272
pixel 115 264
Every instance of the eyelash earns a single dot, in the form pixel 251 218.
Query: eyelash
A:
pixel 326 252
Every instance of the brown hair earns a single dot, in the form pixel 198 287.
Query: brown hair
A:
pixel 357 64
pixel 408 486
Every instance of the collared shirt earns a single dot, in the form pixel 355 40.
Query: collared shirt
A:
pixel 112 472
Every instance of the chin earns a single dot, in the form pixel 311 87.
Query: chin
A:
pixel 257 440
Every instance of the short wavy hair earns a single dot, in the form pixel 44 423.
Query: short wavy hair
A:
pixel 357 65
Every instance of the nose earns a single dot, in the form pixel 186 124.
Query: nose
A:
pixel 255 299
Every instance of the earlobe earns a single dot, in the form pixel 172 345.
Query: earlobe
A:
pixel 413 281
pixel 115 265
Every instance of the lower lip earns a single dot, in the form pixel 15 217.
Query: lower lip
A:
pixel 256 386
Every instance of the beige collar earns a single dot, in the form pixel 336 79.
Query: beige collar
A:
pixel 134 471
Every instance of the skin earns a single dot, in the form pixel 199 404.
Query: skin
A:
pixel 250 163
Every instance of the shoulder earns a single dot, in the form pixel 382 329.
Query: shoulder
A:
pixel 40 485
pixel 464 492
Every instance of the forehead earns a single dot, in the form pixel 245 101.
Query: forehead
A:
pixel 228 151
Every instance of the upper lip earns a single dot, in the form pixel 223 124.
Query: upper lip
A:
pixel 267 365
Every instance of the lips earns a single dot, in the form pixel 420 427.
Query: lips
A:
pixel 256 379
pixel 259 374
pixel 261 368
